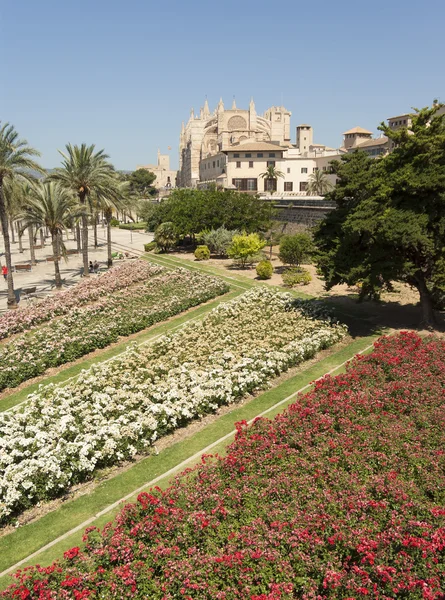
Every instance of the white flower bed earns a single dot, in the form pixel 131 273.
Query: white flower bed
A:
pixel 121 407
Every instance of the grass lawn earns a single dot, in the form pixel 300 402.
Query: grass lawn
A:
pixel 92 508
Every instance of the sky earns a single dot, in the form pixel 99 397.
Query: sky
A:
pixel 124 74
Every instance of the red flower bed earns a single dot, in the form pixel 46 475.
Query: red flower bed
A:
pixel 342 496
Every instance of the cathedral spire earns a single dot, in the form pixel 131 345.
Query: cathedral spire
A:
pixel 220 107
pixel 206 109
pixel 252 105
pixel 233 104
pixel 192 113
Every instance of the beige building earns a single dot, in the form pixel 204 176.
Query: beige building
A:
pixel 208 134
pixel 165 177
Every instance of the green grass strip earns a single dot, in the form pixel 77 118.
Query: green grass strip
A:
pixel 175 261
pixel 144 336
pixel 29 538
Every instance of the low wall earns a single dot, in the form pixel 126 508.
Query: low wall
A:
pixel 303 211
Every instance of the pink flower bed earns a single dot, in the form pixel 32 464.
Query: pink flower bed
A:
pixel 342 497
pixel 86 291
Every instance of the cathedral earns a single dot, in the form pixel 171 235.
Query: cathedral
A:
pixel 208 133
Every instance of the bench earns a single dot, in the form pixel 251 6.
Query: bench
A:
pixel 38 247
pixel 22 268
pixel 28 292
pixel 72 251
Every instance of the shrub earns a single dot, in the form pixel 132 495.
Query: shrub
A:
pixel 150 246
pixel 245 247
pixel 264 269
pixel 217 240
pixel 166 236
pixel 202 253
pixel 133 226
pixel 296 276
pixel 114 222
pixel 294 249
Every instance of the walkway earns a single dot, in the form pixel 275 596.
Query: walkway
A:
pixel 42 275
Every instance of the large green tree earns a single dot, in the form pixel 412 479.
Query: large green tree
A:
pixel 16 163
pixel 86 172
pixel 50 206
pixel 389 224
pixel 193 211
pixel 141 183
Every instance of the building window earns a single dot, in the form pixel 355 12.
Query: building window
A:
pixel 304 169
pixel 270 163
pixel 248 155
pixel 315 169
pixel 288 186
pixel 288 169
pixel 303 186
pixel 250 164
pixel 271 154
pixel 245 185
pixel 217 163
pixel 238 164
pixel 324 168
pixel 259 155
pixel 270 185
pixel 236 156
pixel 214 164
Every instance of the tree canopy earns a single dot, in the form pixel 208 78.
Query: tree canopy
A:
pixel 389 224
pixel 193 211
pixel 141 183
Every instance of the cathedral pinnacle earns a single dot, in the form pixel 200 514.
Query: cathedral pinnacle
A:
pixel 220 107
pixel 206 109
pixel 233 104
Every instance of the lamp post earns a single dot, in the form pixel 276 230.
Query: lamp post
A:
pixel 131 233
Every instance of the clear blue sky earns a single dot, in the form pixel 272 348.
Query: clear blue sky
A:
pixel 124 74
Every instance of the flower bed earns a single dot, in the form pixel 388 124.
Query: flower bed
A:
pixel 94 326
pixel 340 497
pixel 114 410
pixel 86 291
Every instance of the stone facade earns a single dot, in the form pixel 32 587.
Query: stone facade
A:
pixel 208 134
pixel 165 177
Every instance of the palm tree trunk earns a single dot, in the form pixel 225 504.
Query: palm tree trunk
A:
pixel 42 238
pixel 85 245
pixel 95 230
pixel 11 303
pixel 78 239
pixel 31 246
pixel 109 257
pixel 20 234
pixel 55 242
pixel 12 231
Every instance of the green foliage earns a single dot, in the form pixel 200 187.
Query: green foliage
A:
pixel 244 247
pixel 146 210
pixel 264 269
pixel 150 246
pixel 141 183
pixel 295 249
pixel 217 240
pixel 133 226
pixel 114 222
pixel 296 276
pixel 202 253
pixel 389 224
pixel 166 236
pixel 193 211
pixel 319 184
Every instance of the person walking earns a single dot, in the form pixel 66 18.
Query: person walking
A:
pixel 96 266
pixel 5 272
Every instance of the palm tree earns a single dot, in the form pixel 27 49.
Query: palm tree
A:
pixel 319 184
pixel 15 163
pixel 117 201
pixel 85 172
pixel 271 174
pixel 50 206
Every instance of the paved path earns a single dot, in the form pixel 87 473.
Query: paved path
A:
pixel 42 275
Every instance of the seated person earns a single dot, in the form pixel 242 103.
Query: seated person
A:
pixel 90 267
pixel 96 266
